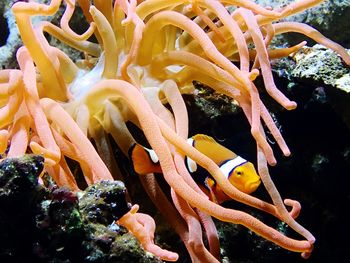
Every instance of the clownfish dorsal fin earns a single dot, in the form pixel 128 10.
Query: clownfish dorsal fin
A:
pixel 212 149
pixel 203 137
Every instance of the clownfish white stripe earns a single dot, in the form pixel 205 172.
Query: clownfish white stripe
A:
pixel 152 155
pixel 190 141
pixel 230 165
pixel 191 165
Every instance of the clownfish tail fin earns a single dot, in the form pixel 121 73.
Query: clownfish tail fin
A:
pixel 144 160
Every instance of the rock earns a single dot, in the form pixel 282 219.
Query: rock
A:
pixel 322 65
pixel 104 202
pixel 330 18
pixel 10 39
pixel 19 197
pixel 40 224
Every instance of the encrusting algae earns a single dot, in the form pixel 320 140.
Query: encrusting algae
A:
pixel 148 53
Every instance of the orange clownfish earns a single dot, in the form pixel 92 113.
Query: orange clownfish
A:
pixel 237 170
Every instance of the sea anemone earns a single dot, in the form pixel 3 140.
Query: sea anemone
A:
pixel 146 54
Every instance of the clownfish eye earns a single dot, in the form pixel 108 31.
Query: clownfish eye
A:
pixel 239 173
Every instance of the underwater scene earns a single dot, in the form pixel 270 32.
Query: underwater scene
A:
pixel 183 131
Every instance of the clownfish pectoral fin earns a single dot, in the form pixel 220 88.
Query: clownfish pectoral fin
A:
pixel 144 160
pixel 210 184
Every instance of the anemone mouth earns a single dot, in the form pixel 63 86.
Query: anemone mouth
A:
pixel 85 80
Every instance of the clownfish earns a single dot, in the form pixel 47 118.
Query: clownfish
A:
pixel 239 172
